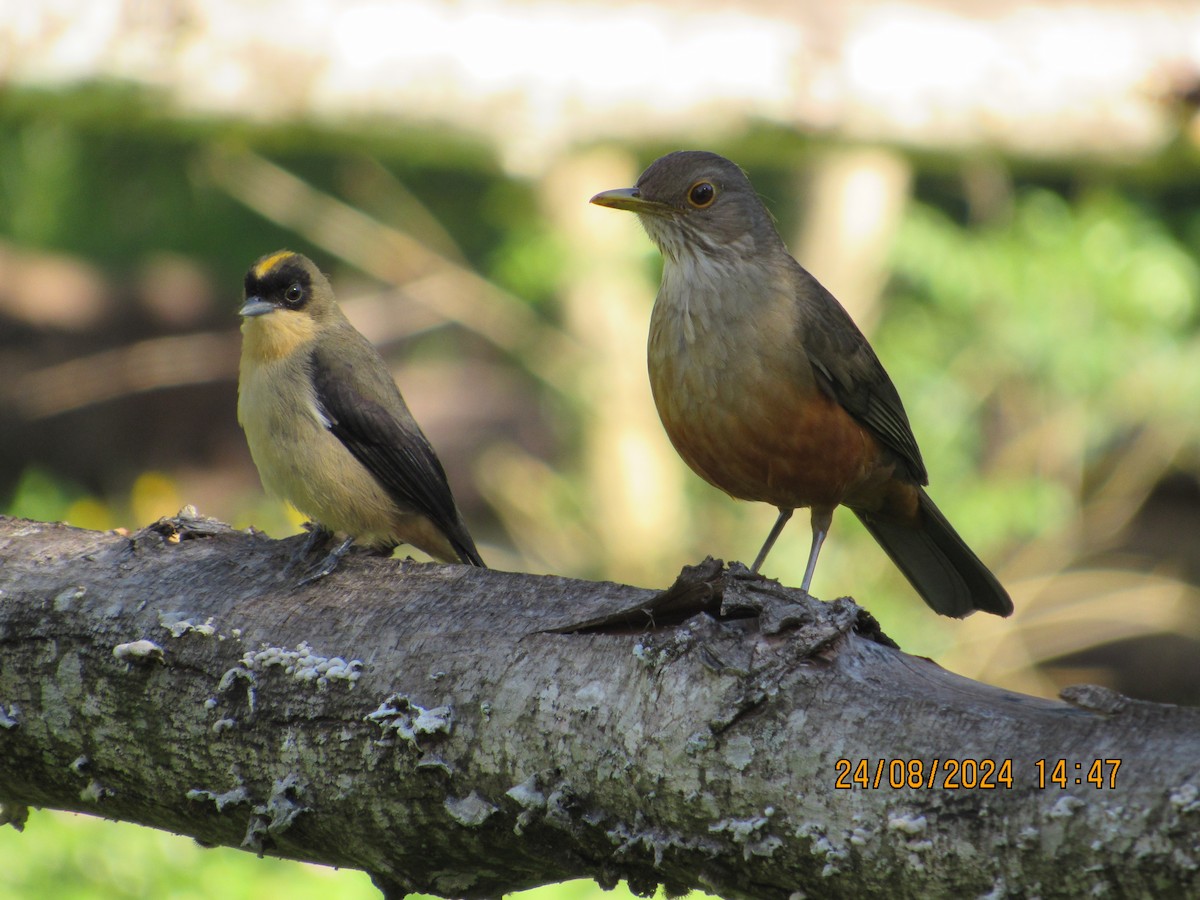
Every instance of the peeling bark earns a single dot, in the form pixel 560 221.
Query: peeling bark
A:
pixel 465 732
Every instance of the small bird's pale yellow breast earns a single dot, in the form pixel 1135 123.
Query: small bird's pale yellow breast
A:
pixel 300 461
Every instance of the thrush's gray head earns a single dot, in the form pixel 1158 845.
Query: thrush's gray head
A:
pixel 694 203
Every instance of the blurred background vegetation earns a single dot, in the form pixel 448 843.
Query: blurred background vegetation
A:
pixel 1033 289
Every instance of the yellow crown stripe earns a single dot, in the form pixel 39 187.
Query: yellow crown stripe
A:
pixel 266 264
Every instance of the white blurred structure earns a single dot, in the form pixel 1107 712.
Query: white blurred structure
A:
pixel 535 77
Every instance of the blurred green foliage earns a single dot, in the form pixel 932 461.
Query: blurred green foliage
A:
pixel 103 173
pixel 65 856
pixel 1032 343
pixel 72 857
pixel 1091 303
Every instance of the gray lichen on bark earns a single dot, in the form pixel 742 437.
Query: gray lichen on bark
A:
pixel 466 732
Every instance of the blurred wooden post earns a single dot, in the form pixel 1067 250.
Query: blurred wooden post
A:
pixel 852 206
pixel 632 473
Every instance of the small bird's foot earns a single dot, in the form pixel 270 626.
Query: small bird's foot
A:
pixel 318 535
pixel 327 565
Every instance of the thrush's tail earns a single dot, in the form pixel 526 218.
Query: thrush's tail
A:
pixel 939 564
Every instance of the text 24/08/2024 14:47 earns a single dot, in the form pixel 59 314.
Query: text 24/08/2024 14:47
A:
pixel 970 774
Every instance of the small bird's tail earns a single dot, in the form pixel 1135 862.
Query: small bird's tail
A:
pixel 467 551
pixel 456 535
pixel 938 563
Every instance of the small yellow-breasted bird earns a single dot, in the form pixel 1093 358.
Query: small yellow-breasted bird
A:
pixel 770 392
pixel 327 426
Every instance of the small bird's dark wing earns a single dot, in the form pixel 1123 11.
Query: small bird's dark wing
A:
pixel 389 444
pixel 849 370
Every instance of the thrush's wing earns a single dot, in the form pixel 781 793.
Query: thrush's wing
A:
pixel 849 370
pixel 389 443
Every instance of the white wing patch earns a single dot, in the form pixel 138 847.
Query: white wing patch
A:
pixel 318 413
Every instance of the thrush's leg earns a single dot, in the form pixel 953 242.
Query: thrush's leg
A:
pixel 328 564
pixel 822 518
pixel 784 515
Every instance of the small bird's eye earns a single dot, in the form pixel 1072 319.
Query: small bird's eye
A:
pixel 293 295
pixel 701 194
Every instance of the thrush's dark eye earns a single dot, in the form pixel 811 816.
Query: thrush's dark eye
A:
pixel 701 194
pixel 293 295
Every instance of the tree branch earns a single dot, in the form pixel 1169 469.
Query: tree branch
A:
pixel 466 732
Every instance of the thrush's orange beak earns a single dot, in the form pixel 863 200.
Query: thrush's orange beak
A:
pixel 630 199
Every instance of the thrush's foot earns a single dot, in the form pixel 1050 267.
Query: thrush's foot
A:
pixel 327 565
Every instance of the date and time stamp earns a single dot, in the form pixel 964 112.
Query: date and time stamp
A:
pixel 967 773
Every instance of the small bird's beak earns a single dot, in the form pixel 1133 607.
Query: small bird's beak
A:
pixel 630 199
pixel 255 306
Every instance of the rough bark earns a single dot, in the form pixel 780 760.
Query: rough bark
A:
pixel 466 733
